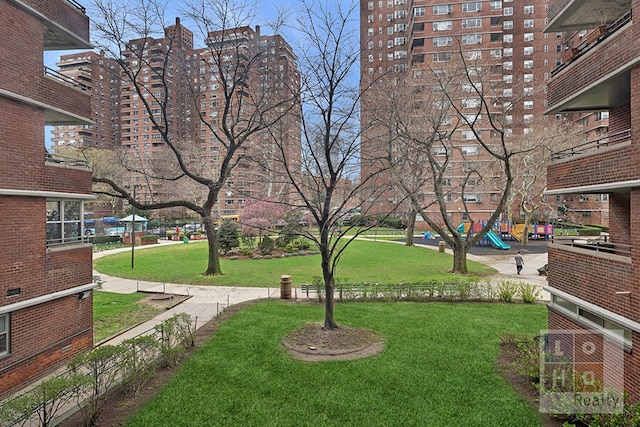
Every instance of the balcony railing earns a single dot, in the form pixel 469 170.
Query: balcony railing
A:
pixel 584 48
pixel 68 161
pixel 593 145
pixel 77 5
pixel 66 80
pixel 599 244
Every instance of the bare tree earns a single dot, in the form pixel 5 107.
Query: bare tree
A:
pixel 201 140
pixel 453 106
pixel 326 178
pixel 530 167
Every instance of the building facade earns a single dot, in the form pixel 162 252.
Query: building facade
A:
pixel 501 41
pixel 188 88
pixel 45 265
pixel 594 287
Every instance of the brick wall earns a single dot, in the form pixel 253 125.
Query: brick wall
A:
pixel 595 278
pixel 620 218
pixel 38 350
pixel 631 366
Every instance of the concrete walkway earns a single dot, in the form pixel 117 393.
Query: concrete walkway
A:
pixel 203 304
pixel 206 302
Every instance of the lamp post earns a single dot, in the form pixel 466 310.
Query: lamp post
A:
pixel 133 228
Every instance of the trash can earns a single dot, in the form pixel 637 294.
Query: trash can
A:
pixel 441 246
pixel 185 239
pixel 285 287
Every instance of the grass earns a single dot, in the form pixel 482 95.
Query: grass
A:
pixel 380 262
pixel 437 369
pixel 114 313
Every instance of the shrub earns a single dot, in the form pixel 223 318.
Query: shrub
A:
pixel 106 239
pixel 139 362
pixel 507 290
pixel 228 236
pixel 266 245
pixel 526 354
pixel 150 238
pixel 529 293
pixel 102 366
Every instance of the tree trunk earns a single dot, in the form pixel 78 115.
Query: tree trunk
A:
pixel 459 258
pixel 329 286
pixel 213 266
pixel 411 227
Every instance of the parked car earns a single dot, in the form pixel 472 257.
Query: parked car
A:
pixel 114 231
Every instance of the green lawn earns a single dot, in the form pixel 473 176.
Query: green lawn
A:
pixel 363 261
pixel 114 313
pixel 437 369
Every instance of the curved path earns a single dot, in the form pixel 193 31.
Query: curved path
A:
pixel 206 302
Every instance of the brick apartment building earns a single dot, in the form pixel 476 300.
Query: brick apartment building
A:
pixel 45 266
pixel 197 94
pixel 595 287
pixel 503 39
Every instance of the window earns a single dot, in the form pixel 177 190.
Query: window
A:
pixel 507 25
pixel 528 37
pixel 507 11
pixel 528 64
pixel 467 135
pixel 472 198
pixel 470 150
pixel 495 5
pixel 442 25
pixel 529 10
pixel 507 65
pixel 64 221
pixel 507 51
pixel 528 23
pixel 471 103
pixel 475 6
pixel 507 38
pixel 528 50
pixel 442 57
pixel 440 151
pixel 4 334
pixel 442 41
pixel 528 118
pixel 442 9
pixel 528 105
pixel 468 39
pixel 495 53
pixel 472 23
pixel 496 21
pixel 418 11
pixel 528 78
pixel 370 5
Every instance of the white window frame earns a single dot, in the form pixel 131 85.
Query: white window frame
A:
pixel 61 227
pixel 5 327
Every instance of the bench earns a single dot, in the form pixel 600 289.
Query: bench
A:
pixel 307 289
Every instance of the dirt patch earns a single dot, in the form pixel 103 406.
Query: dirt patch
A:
pixel 164 301
pixel 313 343
pixel 523 385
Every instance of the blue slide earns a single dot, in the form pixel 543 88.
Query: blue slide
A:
pixel 496 241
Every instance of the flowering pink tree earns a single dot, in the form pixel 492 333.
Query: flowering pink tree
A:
pixel 259 216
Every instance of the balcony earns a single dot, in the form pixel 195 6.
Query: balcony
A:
pixel 573 15
pixel 603 165
pixel 66 24
pixel 596 73
pixel 590 273
pixel 69 101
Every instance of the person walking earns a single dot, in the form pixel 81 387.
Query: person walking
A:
pixel 519 262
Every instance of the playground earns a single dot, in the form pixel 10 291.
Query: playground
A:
pixel 502 237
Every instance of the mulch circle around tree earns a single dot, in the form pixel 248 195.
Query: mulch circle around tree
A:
pixel 314 343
